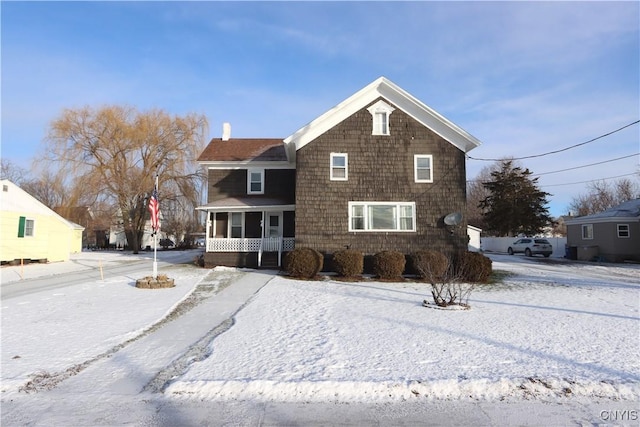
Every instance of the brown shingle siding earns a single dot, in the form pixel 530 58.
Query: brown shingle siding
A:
pixel 380 168
pixel 225 183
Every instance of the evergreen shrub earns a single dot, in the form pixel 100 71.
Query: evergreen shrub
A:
pixel 389 265
pixel 303 263
pixel 348 262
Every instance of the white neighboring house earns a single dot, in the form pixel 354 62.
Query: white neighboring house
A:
pixel 118 239
pixel 29 230
pixel 475 243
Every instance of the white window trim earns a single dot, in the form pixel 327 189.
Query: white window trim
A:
pixel 588 226
pixel 628 231
pixel 386 110
pixel 249 172
pixel 230 225
pixel 346 167
pixel 33 229
pixel 415 167
pixel 366 206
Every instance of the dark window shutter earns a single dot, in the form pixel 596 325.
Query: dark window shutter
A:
pixel 21 224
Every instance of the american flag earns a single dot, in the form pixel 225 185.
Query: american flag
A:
pixel 154 208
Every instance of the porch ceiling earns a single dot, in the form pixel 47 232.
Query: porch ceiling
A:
pixel 247 204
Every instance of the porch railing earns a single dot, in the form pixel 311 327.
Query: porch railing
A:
pixel 260 245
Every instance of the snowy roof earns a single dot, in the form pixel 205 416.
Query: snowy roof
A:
pixel 629 210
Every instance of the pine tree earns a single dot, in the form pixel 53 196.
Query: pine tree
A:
pixel 515 204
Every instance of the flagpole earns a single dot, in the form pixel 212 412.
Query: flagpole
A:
pixel 155 244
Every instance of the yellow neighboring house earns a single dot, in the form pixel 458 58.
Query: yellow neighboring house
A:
pixel 29 230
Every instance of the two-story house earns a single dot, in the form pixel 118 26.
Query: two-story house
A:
pixel 379 171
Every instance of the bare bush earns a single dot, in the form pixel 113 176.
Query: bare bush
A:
pixel 451 288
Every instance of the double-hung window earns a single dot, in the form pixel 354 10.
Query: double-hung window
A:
pixel 235 225
pixel 339 167
pixel 29 227
pixel 587 231
pixel 380 112
pixel 623 231
pixel 423 167
pixel 255 181
pixel 382 216
pixel 381 123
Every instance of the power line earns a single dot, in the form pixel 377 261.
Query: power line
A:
pixel 573 168
pixel 584 166
pixel 584 182
pixel 562 149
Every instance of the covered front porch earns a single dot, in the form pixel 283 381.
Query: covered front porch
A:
pixel 248 233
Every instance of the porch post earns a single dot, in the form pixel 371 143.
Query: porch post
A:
pixel 209 231
pixel 261 240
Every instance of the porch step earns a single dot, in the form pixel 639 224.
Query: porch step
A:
pixel 269 259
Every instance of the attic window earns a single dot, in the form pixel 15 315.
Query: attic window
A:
pixel 380 112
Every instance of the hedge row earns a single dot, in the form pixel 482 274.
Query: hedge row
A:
pixel 428 265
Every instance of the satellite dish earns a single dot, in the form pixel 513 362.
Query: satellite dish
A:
pixel 453 218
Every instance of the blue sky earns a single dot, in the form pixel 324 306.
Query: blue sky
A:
pixel 525 78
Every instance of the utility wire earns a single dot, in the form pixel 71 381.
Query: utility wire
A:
pixel 562 149
pixel 576 167
pixel 585 166
pixel 593 180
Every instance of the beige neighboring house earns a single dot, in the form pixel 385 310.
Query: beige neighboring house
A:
pixel 612 235
pixel 29 230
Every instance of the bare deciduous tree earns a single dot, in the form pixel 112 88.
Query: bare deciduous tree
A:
pixel 12 172
pixel 115 152
pixel 50 189
pixel 602 196
pixel 179 219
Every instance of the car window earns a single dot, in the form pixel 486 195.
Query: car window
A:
pixel 543 241
pixel 526 241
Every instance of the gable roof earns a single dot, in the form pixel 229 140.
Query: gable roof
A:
pixel 18 201
pixel 243 150
pixel 629 210
pixel 382 87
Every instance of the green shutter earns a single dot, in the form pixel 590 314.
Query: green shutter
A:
pixel 21 224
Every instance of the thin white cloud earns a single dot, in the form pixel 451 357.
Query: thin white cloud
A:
pixel 520 76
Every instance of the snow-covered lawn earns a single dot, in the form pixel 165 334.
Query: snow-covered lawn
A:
pixel 547 331
pixel 550 330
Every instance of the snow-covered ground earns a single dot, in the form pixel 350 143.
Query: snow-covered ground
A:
pixel 551 331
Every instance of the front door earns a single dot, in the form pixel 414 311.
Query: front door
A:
pixel 274 224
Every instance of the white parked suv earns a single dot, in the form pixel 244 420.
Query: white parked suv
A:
pixel 531 246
